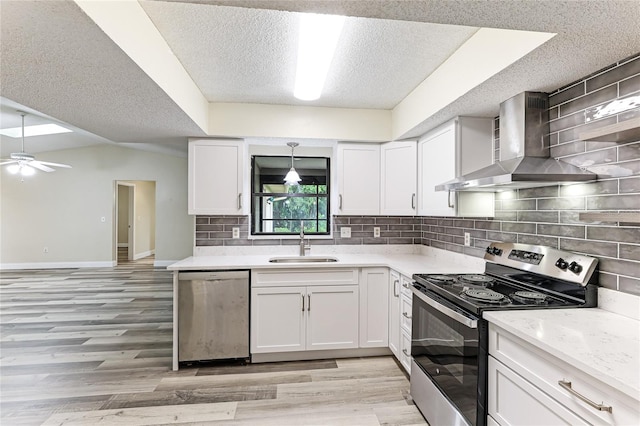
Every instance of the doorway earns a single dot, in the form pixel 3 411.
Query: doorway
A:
pixel 135 214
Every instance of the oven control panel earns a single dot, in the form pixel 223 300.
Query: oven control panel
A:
pixel 564 265
pixel 526 256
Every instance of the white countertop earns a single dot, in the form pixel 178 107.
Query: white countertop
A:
pixel 406 264
pixel 603 344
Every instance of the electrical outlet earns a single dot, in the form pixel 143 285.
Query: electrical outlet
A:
pixel 467 239
pixel 345 232
pixel 376 232
pixel 45 250
pixel 235 233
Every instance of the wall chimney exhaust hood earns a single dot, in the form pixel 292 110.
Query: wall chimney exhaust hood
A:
pixel 524 152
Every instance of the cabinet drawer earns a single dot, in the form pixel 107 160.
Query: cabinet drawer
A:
pixel 306 277
pixel 545 371
pixel 406 286
pixel 405 351
pixel 512 400
pixel 405 312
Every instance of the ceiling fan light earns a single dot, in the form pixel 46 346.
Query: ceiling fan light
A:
pixel 13 169
pixel 27 170
pixel 292 178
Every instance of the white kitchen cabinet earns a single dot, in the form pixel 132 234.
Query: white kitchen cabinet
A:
pixel 278 321
pixel 400 299
pixel 399 169
pixel 304 309
pixel 524 388
pixel 460 146
pixel 405 351
pixel 358 179
pixel 332 317
pixel 215 177
pixel 394 313
pixel 374 307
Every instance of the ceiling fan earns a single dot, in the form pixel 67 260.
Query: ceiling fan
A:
pixel 25 164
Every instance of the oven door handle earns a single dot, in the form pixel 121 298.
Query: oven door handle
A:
pixel 471 323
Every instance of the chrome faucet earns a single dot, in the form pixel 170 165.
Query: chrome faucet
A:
pixel 304 248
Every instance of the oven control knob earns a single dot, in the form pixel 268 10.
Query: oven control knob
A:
pixel 563 264
pixel 494 251
pixel 575 267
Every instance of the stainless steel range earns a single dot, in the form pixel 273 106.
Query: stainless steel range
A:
pixel 449 337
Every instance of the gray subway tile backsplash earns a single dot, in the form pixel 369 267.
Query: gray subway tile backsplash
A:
pixel 546 215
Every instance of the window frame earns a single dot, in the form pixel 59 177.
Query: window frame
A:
pixel 253 232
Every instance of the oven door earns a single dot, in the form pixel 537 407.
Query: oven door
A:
pixel 445 346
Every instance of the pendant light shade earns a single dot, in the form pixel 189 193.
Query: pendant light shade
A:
pixel 292 178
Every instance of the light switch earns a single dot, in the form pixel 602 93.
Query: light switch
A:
pixel 345 232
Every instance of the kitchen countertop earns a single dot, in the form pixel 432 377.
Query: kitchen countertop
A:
pixel 406 264
pixel 602 344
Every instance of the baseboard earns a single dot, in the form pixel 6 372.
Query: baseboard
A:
pixel 326 354
pixel 147 253
pixel 56 265
pixel 123 245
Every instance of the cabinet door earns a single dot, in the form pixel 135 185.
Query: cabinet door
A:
pixel 358 179
pixel 374 308
pixel 332 317
pixel 278 319
pixel 436 158
pixel 399 168
pixel 215 177
pixel 394 313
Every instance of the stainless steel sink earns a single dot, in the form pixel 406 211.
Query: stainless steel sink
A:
pixel 303 259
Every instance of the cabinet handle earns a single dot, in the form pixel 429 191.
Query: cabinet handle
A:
pixel 302 301
pixel 405 285
pixel 396 291
pixel 600 407
pixel 339 201
pixel 449 203
pixel 404 351
pixel 404 314
pixel 413 200
pixel 309 303
pixel 239 201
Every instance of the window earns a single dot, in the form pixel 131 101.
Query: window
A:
pixel 279 209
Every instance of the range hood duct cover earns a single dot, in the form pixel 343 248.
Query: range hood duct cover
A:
pixel 524 152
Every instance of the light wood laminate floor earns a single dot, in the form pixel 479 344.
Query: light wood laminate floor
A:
pixel 93 346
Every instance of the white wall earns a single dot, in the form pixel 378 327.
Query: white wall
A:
pixel 62 210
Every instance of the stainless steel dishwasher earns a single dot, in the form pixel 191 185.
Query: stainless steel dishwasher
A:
pixel 213 315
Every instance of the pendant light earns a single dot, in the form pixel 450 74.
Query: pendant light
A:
pixel 292 178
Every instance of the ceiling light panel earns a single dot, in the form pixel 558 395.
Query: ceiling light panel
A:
pixel 36 130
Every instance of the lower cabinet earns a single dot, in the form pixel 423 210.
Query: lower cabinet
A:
pixel 400 318
pixel 527 385
pixel 394 313
pixel 285 319
pixel 374 307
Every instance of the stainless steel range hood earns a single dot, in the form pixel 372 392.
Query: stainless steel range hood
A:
pixel 524 152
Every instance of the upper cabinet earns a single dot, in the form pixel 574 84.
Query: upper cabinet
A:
pixel 215 177
pixel 358 179
pixel 460 146
pixel 398 167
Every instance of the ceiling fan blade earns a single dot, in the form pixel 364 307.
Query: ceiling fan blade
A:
pixel 38 165
pixel 54 164
pixel 8 162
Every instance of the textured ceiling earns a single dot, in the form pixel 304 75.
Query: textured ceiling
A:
pixel 57 61
pixel 249 55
